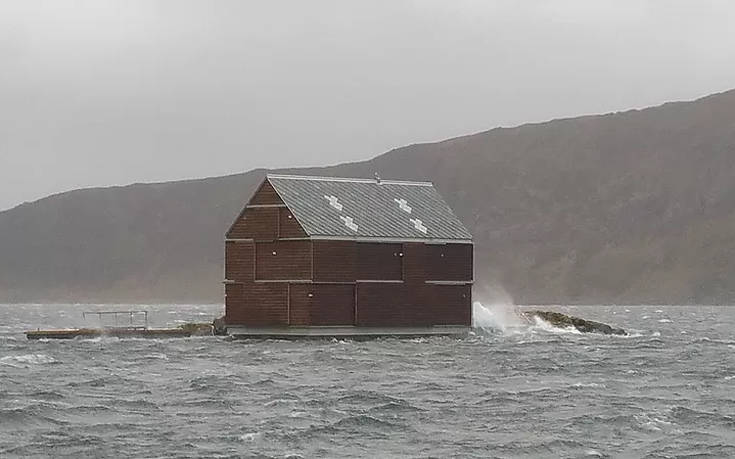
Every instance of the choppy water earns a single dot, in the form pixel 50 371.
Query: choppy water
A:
pixel 509 391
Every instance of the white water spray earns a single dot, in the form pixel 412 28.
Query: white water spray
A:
pixel 494 310
pixel 507 319
pixel 497 316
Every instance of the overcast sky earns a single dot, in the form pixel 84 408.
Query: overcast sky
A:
pixel 113 92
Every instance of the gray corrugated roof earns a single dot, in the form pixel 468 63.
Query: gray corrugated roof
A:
pixel 364 208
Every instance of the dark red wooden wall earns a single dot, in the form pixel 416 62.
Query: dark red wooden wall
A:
pixel 283 260
pixel 334 261
pixel 322 304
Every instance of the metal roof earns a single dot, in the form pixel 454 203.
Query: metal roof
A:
pixel 343 208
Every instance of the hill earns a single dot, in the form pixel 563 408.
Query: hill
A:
pixel 628 207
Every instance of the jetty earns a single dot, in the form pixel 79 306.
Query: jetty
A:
pixel 125 324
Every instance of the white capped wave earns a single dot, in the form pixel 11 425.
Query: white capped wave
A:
pixel 27 359
pixel 651 423
pixel 99 339
pixel 250 437
pixel 588 385
pixel 541 324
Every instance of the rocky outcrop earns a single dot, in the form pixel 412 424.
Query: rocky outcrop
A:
pixel 219 326
pixel 197 328
pixel 560 320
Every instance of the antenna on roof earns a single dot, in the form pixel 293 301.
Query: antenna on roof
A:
pixel 377 178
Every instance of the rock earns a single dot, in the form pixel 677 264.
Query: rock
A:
pixel 197 328
pixel 220 328
pixel 558 319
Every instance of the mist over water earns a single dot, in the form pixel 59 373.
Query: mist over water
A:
pixel 509 389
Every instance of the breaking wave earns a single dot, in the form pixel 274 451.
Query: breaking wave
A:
pixel 508 319
pixel 27 360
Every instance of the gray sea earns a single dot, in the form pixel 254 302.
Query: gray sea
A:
pixel 509 389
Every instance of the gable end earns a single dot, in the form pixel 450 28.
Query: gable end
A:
pixel 265 217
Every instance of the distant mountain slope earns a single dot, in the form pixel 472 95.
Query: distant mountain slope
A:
pixel 632 207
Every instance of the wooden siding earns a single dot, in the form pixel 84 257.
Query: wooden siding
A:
pixel 259 223
pixel 266 195
pixel 322 304
pixel 240 261
pixel 448 304
pixel 413 262
pixel 257 304
pixel 334 261
pixel 288 226
pixel 376 261
pixel 283 260
pixel 234 303
pixel 448 262
pixel 387 305
pixel 413 305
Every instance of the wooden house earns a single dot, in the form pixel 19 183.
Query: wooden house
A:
pixel 338 256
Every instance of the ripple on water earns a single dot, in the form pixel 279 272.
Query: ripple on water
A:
pixel 359 425
pixel 25 418
pixel 691 417
pixel 396 408
pixel 367 398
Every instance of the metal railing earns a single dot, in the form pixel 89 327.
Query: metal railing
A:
pixel 131 321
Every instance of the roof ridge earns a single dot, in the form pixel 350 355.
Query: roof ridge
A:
pixel 348 180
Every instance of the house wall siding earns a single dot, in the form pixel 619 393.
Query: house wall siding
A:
pixel 381 305
pixel 240 261
pixel 234 303
pixel 448 262
pixel 259 223
pixel 414 259
pixel 257 304
pixel 322 304
pixel 448 304
pixel 288 226
pixel 334 261
pixel 283 260
pixel 378 261
pixel 266 195
pixel 385 305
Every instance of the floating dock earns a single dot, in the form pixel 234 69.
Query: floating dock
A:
pixel 118 332
pixel 132 328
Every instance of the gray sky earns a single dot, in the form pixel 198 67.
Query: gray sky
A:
pixel 113 92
